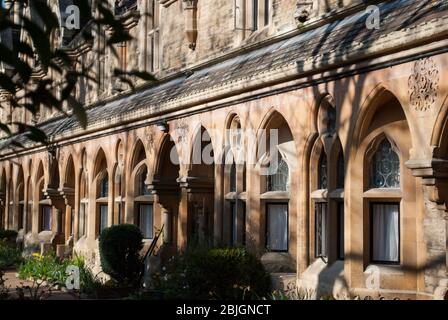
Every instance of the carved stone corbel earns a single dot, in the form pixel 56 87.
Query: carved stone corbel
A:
pixel 304 10
pixel 191 22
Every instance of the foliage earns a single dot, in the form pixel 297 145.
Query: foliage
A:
pixel 48 268
pixel 202 273
pixel 88 282
pixel 9 255
pixel 120 247
pixel 9 235
pixel 32 52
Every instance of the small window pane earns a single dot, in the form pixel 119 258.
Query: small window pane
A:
pixel 385 167
pixel 46 218
pixel 103 217
pixel 279 181
pixel 146 220
pixel 277 227
pixel 143 188
pixel 104 187
pixel 322 173
pixel 386 233
pixel 321 226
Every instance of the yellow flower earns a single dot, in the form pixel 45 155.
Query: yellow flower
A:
pixel 36 255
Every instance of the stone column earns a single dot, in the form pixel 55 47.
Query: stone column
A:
pixel 167 221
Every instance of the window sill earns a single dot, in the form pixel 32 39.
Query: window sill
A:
pixel 45 201
pixel 148 198
pixel 321 194
pixel 235 196
pixel 383 193
pixel 385 269
pixel 275 195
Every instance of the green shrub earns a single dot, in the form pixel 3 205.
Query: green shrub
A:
pixel 8 235
pixel 201 273
pixel 120 247
pixel 88 282
pixel 9 255
pixel 47 268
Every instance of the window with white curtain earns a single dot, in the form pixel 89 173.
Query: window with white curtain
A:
pixel 146 220
pixel 103 217
pixel 321 226
pixel 277 227
pixel 385 228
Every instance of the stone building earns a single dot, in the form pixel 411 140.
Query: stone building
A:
pixel 354 97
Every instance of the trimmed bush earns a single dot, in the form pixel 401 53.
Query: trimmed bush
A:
pixel 120 247
pixel 225 274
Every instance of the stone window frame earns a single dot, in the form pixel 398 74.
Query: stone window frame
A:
pixel 332 195
pixel 101 199
pixel 374 195
pixel 236 197
pixel 142 199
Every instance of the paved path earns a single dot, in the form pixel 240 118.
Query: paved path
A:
pixel 12 282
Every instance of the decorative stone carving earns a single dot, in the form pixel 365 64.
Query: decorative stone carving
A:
pixel 182 130
pixel 150 138
pixel 423 84
pixel 304 11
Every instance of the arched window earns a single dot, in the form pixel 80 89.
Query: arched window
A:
pixel 385 172
pixel 144 204
pixel 102 201
pixel 83 206
pixel 235 176
pixel 279 181
pixel 385 215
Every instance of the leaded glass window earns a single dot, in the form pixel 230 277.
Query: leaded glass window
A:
pixel 143 188
pixel 279 181
pixel 104 187
pixel 385 167
pixel 321 230
pixel 322 178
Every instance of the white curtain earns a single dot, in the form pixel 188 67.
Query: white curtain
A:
pixel 146 220
pixel 386 232
pixel 278 227
pixel 103 217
